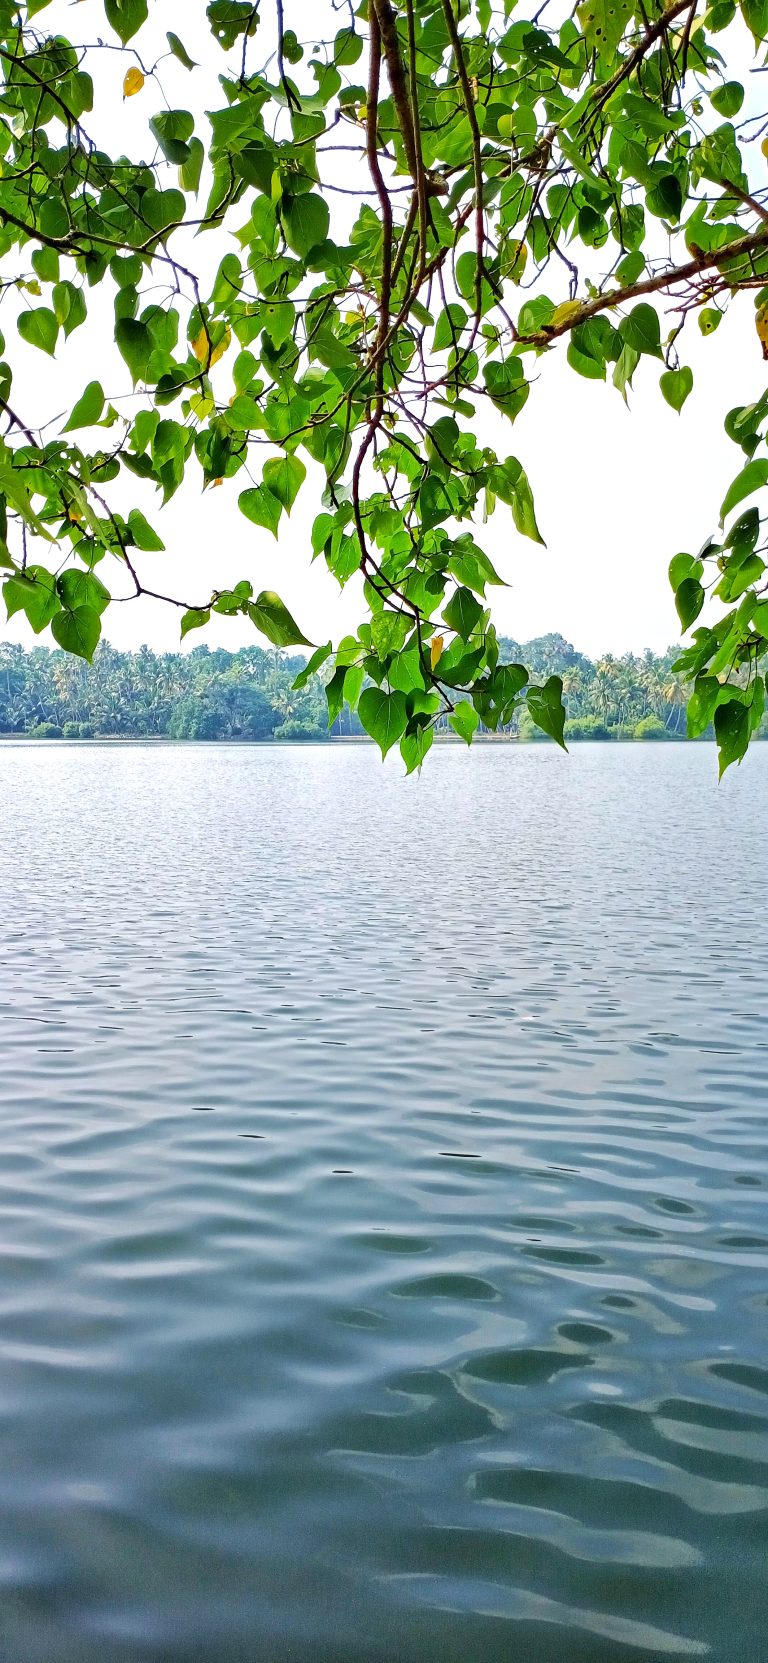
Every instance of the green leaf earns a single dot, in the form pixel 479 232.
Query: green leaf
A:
pixel 46 263
pixel 179 50
pixel 195 618
pixel 689 599
pixel 143 535
pixel 334 693
pixel 39 328
pixel 191 170
pixel 284 477
pixel 470 565
pixel 701 705
pixel 134 344
pixel 641 330
pixel 313 664
pixel 388 632
pixel 261 507
pixel 603 22
pixel 244 413
pixel 506 385
pixel 727 99
pixel 77 589
pixel 383 715
pixel 629 269
pixel 682 566
pixel 731 732
pixel 751 478
pixel 172 129
pixel 464 720
pixel 273 619
pixel 88 408
pixel 278 318
pixel 510 482
pixel 449 327
pixel 676 385
pixel 414 747
pixel 593 369
pixel 230 18
pixel 755 14
pixel 347 47
pixel 77 631
pixel 163 208
pixel 126 16
pixel 306 220
pixel 665 198
pixel 463 612
pixel 34 593
pixel 624 369
pixel 69 306
pixel 546 708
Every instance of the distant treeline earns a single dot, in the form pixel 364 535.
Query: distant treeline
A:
pixel 213 694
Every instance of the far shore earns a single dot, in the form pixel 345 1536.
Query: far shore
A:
pixel 339 739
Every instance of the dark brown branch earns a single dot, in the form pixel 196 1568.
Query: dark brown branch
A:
pixel 477 163
pixel 386 26
pixel 374 167
pixel 420 178
pixel 745 246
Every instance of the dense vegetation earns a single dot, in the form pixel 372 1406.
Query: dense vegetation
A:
pixel 250 694
pixel 406 212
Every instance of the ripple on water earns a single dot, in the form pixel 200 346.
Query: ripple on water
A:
pixel 383 1259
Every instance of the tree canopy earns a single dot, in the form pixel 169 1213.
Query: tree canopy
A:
pixel 252 694
pixel 408 210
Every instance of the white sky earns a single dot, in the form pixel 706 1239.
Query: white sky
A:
pixel 617 491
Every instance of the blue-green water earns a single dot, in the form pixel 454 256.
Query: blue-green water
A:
pixel 383 1227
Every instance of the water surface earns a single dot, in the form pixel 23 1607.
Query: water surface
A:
pixel 383 1227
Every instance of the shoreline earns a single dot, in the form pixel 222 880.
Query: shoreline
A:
pixel 343 739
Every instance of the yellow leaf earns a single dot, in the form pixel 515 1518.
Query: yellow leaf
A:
pixel 201 406
pixel 761 325
pixel 435 651
pixel 516 257
pixel 133 83
pixel 563 314
pixel 764 147
pixel 207 354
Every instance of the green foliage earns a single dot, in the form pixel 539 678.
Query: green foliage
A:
pixel 545 705
pixel 676 385
pixel 213 695
pixel 383 715
pixel 376 319
pixel 651 727
pixel 199 695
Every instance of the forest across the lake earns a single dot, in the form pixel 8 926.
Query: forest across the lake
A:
pixel 212 694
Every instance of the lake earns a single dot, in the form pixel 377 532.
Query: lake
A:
pixel 383 1226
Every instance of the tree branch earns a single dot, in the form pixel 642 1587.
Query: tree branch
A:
pixel 751 244
pixel 386 25
pixel 477 163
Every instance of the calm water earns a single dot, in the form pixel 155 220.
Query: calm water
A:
pixel 383 1226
